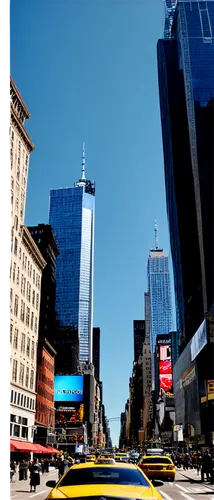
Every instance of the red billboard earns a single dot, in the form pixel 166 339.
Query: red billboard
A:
pixel 165 368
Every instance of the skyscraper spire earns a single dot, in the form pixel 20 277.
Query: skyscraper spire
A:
pixel 83 162
pixel 156 236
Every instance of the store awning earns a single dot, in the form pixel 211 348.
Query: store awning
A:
pixel 22 446
pixel 52 450
pixel 41 449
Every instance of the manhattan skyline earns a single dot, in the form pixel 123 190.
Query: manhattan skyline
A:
pixel 116 111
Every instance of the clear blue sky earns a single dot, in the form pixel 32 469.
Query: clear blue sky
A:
pixel 87 71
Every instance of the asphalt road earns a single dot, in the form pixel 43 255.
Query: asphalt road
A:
pixel 187 486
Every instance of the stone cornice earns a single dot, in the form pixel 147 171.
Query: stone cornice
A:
pixel 21 130
pixel 14 87
pixel 32 248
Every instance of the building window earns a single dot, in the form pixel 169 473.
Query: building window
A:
pixel 14 272
pixel 37 301
pixel 29 292
pixel 23 340
pixel 16 305
pixel 18 399
pixel 17 276
pixel 15 246
pixel 11 333
pixel 24 283
pixel 14 373
pixel 21 373
pixel 21 404
pixel 11 396
pixel 15 338
pixel 24 432
pixel 34 276
pixel 28 316
pixel 23 260
pixel 25 263
pixel 35 325
pixel 33 298
pixel 31 379
pixel 27 376
pixel 32 320
pixel 22 313
pixel 20 253
pixel 15 394
pixel 16 223
pixel 28 347
pixel 16 430
pixel 27 402
pixel 28 268
pixel 11 299
pixel 32 350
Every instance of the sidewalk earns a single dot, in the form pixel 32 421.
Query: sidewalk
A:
pixel 20 490
pixel 192 474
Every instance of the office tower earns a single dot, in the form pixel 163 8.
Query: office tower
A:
pixel 186 87
pixel 72 212
pixel 139 337
pixel 45 415
pixel 27 265
pixel 96 353
pixel 45 241
pixel 159 293
pixel 147 310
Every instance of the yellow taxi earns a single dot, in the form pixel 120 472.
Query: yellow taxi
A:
pixel 90 458
pixel 115 480
pixel 157 467
pixel 121 457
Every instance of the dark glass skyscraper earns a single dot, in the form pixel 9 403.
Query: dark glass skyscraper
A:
pixel 72 212
pixel 139 337
pixel 186 85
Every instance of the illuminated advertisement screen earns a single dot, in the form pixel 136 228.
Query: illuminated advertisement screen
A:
pixel 72 414
pixel 68 388
pixel 165 368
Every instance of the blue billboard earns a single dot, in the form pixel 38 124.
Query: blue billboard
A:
pixel 68 388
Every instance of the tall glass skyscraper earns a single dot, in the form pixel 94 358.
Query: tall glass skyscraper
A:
pixel 159 294
pixel 186 87
pixel 72 212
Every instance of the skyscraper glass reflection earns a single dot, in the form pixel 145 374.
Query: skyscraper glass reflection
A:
pixel 72 212
pixel 186 86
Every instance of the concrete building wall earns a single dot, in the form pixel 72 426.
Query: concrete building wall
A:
pixel 25 281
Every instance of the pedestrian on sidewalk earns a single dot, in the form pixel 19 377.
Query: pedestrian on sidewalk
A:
pixel 199 463
pixel 206 466
pixel 186 461
pixel 35 470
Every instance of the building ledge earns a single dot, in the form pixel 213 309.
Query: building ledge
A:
pixel 32 248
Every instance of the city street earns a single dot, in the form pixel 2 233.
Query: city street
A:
pixel 187 486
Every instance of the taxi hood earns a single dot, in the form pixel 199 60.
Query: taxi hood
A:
pixel 104 491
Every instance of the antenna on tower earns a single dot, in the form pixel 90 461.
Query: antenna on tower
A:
pixel 156 236
pixel 83 162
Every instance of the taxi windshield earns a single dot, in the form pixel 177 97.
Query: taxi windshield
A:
pixel 103 475
pixel 156 460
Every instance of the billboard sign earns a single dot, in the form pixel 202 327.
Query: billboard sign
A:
pixel 68 388
pixel 165 368
pixel 199 340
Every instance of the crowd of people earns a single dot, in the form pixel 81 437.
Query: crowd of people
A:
pixel 203 462
pixel 30 469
